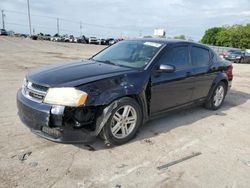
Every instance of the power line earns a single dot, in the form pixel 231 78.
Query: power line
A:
pixel 66 20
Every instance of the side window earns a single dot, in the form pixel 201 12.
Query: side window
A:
pixel 199 56
pixel 177 56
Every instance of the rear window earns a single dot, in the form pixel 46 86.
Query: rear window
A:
pixel 200 56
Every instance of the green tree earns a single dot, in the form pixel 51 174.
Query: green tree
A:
pixel 237 36
pixel 211 35
pixel 182 37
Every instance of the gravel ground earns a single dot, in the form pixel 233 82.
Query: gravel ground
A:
pixel 222 137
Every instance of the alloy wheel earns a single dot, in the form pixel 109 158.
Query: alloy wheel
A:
pixel 219 96
pixel 123 121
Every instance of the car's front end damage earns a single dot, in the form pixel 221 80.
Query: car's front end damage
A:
pixel 72 124
pixel 56 122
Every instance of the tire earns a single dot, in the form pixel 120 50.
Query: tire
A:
pixel 118 130
pixel 241 60
pixel 218 96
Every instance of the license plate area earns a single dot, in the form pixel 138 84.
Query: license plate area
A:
pixel 55 133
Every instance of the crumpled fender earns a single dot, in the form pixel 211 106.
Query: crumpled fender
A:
pixel 104 92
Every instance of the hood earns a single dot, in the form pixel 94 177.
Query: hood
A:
pixel 75 73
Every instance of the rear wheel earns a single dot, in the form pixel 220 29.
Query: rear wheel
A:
pixel 241 60
pixel 217 98
pixel 123 122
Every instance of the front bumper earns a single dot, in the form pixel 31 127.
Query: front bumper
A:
pixel 39 119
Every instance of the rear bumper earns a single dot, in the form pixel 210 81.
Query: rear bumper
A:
pixel 39 119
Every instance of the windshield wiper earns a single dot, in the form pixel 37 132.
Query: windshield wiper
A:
pixel 105 61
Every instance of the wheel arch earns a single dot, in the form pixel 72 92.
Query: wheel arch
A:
pixel 220 78
pixel 108 108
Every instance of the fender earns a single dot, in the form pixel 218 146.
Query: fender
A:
pixel 221 76
pixel 104 92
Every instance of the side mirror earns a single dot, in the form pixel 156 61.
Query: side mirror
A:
pixel 165 69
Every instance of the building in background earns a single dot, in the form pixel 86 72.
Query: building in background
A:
pixel 159 33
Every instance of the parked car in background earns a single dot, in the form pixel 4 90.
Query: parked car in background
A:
pixel 65 38
pixel 82 39
pixel 47 37
pixel 111 42
pixel 93 40
pixel 117 90
pixel 239 57
pixel 3 32
pixel 34 37
pixel 108 40
pixel 227 53
pixel 71 38
pixel 102 41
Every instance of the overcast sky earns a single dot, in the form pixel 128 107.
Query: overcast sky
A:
pixel 107 18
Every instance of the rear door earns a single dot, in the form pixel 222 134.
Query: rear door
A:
pixel 172 89
pixel 202 61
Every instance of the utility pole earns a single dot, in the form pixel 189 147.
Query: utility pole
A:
pixel 28 3
pixel 80 28
pixel 3 15
pixel 57 25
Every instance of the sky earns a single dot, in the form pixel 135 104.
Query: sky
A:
pixel 124 18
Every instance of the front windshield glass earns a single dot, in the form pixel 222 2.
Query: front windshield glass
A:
pixel 134 54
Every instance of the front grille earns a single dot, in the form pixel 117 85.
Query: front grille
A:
pixel 34 91
pixel 39 87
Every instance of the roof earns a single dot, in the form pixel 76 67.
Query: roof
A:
pixel 165 41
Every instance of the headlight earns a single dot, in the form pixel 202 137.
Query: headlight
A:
pixel 65 96
pixel 238 57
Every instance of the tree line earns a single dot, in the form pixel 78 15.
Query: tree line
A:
pixel 236 36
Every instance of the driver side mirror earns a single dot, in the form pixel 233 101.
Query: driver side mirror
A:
pixel 165 69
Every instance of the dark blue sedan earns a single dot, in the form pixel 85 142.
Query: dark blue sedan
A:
pixel 116 91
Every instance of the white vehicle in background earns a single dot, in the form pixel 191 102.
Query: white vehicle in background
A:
pixel 93 40
pixel 111 42
pixel 101 41
pixel 55 39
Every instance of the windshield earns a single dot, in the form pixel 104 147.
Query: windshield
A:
pixel 134 54
pixel 236 53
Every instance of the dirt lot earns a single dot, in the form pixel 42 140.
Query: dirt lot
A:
pixel 221 136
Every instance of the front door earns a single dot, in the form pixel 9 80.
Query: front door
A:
pixel 170 90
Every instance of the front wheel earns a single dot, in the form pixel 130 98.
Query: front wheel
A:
pixel 217 98
pixel 123 122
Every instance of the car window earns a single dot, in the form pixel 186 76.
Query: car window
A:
pixel 199 56
pixel 237 53
pixel 177 56
pixel 133 54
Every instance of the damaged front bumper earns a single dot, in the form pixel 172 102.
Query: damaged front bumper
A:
pixel 47 121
